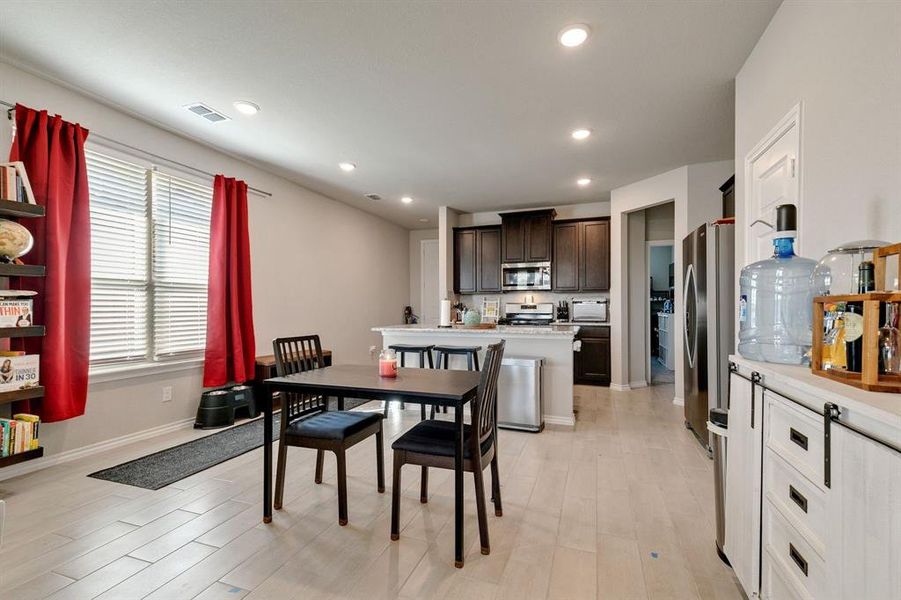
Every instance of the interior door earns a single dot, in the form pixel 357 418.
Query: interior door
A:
pixel 428 312
pixel 773 177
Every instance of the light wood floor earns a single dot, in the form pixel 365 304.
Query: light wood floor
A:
pixel 620 508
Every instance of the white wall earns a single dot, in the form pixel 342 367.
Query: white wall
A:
pixel 638 299
pixel 660 222
pixel 690 210
pixel 416 238
pixel 840 60
pixel 319 266
pixel 661 258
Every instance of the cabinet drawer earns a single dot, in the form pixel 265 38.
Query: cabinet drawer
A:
pixel 776 585
pixel 787 548
pixel 801 502
pixel 796 435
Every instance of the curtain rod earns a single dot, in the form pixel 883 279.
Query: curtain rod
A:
pixel 257 191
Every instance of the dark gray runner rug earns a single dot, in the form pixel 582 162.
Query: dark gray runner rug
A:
pixel 159 469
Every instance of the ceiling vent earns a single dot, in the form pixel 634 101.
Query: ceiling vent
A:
pixel 373 196
pixel 202 110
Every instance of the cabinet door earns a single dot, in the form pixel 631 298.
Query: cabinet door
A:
pixel 742 503
pixel 592 362
pixel 538 238
pixel 565 271
pixel 513 239
pixel 864 510
pixel 465 261
pixel 489 260
pixel 595 256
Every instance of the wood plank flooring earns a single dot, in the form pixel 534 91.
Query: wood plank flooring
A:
pixel 621 508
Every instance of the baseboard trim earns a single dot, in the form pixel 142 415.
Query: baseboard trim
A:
pixel 620 387
pixel 638 384
pixel 678 401
pixel 564 421
pixel 70 455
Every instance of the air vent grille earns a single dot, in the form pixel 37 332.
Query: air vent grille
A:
pixel 373 196
pixel 202 110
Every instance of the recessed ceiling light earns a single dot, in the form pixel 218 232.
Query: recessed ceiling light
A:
pixel 423 220
pixel 406 199
pixel 347 167
pixel 247 108
pixel 583 181
pixel 573 35
pixel 581 134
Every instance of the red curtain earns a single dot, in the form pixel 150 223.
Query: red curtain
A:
pixel 53 153
pixel 230 345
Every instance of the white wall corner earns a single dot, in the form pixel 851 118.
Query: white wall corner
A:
pixel 678 401
pixel 620 387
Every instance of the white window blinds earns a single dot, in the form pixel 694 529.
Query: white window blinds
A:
pixel 181 251
pixel 120 275
pixel 150 253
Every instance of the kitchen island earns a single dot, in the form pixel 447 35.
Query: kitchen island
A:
pixel 553 343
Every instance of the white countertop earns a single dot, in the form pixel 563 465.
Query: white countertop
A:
pixel 564 331
pixel 882 407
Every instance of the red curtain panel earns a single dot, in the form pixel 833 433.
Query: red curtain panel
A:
pixel 53 153
pixel 230 345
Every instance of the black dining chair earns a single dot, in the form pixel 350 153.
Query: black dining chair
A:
pixel 430 443
pixel 306 421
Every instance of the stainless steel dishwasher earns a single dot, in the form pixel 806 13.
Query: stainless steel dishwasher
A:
pixel 519 400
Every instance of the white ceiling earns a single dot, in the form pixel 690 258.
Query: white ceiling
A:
pixel 462 104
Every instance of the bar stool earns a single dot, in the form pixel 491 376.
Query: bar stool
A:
pixel 424 352
pixel 443 353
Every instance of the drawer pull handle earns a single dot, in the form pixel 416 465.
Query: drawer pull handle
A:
pixel 798 438
pixel 797 497
pixel 799 560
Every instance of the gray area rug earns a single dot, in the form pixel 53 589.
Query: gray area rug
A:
pixel 159 469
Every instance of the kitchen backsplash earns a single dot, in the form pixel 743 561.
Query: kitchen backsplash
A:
pixel 475 300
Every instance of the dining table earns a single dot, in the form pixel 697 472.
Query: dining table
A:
pixel 435 387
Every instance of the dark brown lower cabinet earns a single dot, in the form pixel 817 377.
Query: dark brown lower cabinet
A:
pixel 591 364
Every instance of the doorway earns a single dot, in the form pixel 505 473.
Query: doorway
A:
pixel 660 291
pixel 428 293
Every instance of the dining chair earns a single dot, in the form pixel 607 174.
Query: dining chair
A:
pixel 306 421
pixel 430 443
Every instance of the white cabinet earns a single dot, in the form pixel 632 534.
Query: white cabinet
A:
pixel 665 340
pixel 864 512
pixel 742 502
pixel 813 506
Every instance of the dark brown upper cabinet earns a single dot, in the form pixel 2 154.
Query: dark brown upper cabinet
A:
pixel 595 256
pixel 565 268
pixel 488 263
pixel 581 261
pixel 465 261
pixel 527 236
pixel 477 259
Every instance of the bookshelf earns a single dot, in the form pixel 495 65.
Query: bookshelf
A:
pixel 10 209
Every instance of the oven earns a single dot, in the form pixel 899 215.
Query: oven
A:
pixel 527 276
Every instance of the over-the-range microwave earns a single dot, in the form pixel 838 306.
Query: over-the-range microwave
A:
pixel 526 276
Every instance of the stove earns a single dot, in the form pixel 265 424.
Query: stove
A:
pixel 541 313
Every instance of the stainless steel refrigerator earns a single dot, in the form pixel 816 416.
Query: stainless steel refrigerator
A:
pixel 708 276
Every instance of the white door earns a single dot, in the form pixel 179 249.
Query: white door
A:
pixel 742 503
pixel 428 312
pixel 772 177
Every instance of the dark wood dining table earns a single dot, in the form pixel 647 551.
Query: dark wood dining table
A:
pixel 438 387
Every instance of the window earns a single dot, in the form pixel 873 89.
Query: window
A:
pixel 150 256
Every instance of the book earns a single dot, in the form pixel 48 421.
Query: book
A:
pixel 16 312
pixel 27 192
pixel 19 372
pixel 33 424
pixel 8 183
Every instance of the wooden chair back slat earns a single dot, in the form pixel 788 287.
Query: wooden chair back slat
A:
pixel 484 420
pixel 297 355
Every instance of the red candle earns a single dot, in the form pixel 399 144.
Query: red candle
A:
pixel 388 364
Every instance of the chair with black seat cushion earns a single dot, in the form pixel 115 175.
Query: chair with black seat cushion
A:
pixel 443 354
pixel 430 443
pixel 306 421
pixel 424 352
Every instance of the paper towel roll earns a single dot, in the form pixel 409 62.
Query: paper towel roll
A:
pixel 445 314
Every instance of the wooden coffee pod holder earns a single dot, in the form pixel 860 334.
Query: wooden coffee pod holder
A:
pixel 869 377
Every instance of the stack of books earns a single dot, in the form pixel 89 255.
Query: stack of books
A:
pixel 19 434
pixel 14 184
